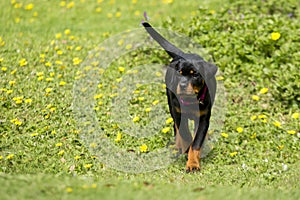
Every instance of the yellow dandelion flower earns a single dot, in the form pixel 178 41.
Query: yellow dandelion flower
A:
pixel 121 42
pixel 280 147
pixel 48 90
pixel 9 91
pixel 61 152
pixel 262 116
pixel 48 64
pixel 118 80
pixel 33 134
pixel 255 97
pixel 88 166
pixel 70 5
pixel 67 31
pixel 128 46
pixel 264 90
pixel 239 129
pixel 275 36
pixel 59 52
pixel 10 156
pixel 49 79
pixel 94 185
pixel 93 145
pixel 212 12
pixel 62 3
pixel 253 117
pixel 147 110
pixel 158 74
pixel 169 120
pixel 69 189
pixel 136 119
pixel 291 132
pixel 233 154
pixel 295 115
pixel 137 13
pixel 121 69
pixel 1 157
pixel 141 98
pixel 143 148
pixel 167 1
pixel 23 62
pixel 62 83
pixel 119 137
pixel 253 136
pixel 29 6
pixel 155 102
pixel 98 10
pixel 277 124
pixel 28 101
pixel 4 69
pixel 166 129
pixel 12 83
pixel 58 144
pixel 35 14
pixel 76 61
pixel 77 157
pixel 13 71
pixel 118 14
pixel 225 135
pixel 133 1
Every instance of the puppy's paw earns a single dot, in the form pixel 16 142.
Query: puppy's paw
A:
pixel 193 163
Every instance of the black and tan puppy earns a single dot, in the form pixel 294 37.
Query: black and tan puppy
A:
pixel 191 88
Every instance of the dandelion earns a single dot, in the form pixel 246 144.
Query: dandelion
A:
pixel 61 152
pixel 58 144
pixel 118 14
pixel 158 74
pixel 67 32
pixel 98 10
pixel 119 137
pixel 121 42
pixel 88 166
pixel 69 189
pixel 233 154
pixel 136 119
pixel 255 97
pixel 291 132
pixel 10 156
pixel 167 1
pixel 119 80
pixel 239 129
pixel 275 36
pixel 76 61
pixel 28 101
pixel 169 120
pixel 33 134
pixel 62 83
pixel 48 90
pixel 133 1
pixel 128 46
pixel 147 110
pixel 77 157
pixel 70 5
pixel 13 71
pixel 93 145
pixel 277 124
pixel 4 69
pixel 143 148
pixel 295 115
pixel 280 147
pixel 94 185
pixel 48 64
pixel 166 129
pixel 219 78
pixel 1 157
pixel 141 98
pixel 263 90
pixel 155 102
pixel 12 83
pixel 35 14
pixel 225 135
pixel 137 13
pixel 121 69
pixel 29 6
pixel 23 62
pixel 253 117
pixel 253 136
pixel 9 91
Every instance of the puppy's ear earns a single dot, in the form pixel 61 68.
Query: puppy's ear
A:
pixel 210 70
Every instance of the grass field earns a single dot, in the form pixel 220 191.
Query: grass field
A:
pixel 53 57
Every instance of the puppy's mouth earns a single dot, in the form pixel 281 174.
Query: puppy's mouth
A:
pixel 188 99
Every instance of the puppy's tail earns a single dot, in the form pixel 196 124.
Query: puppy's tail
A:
pixel 165 44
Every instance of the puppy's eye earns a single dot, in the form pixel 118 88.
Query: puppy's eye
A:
pixel 191 72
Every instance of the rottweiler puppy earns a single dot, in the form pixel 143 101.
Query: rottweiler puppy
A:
pixel 191 88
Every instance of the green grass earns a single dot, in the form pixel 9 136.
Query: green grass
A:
pixel 46 150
